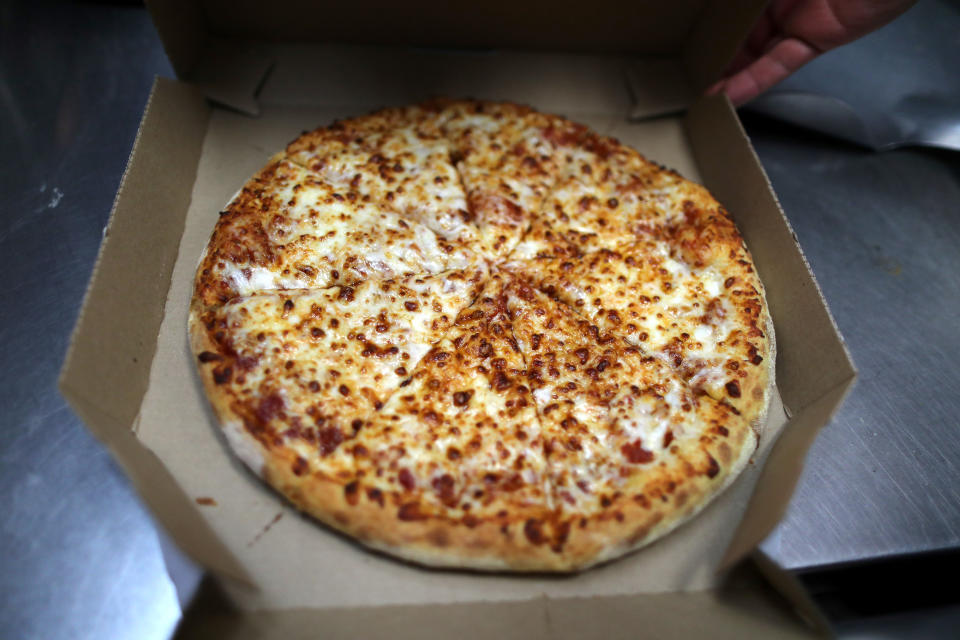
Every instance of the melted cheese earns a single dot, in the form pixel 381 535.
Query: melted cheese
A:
pixel 401 171
pixel 458 429
pixel 653 298
pixel 359 364
pixel 335 353
pixel 301 232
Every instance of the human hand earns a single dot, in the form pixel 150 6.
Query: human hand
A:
pixel 791 33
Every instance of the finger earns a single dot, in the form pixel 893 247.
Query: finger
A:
pixel 716 87
pixel 741 61
pixel 745 57
pixel 763 31
pixel 757 43
pixel 783 59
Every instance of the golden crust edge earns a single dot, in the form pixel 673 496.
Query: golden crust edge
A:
pixel 432 541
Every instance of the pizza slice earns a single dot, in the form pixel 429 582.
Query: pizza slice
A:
pixel 293 374
pixel 289 229
pixel 631 449
pixel 451 470
pixel 509 158
pixel 706 321
pixel 404 168
pixel 601 200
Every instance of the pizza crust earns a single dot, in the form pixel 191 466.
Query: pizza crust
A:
pixel 318 461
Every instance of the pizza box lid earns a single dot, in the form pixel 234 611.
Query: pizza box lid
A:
pixel 670 51
pixel 130 376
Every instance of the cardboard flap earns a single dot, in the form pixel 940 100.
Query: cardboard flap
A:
pixel 112 346
pixel 782 472
pixel 807 337
pixel 814 369
pixel 658 87
pixel 364 78
pixel 231 73
pixel 108 363
pixel 743 607
pixel 715 38
pixel 687 42
pixel 791 588
pixel 182 29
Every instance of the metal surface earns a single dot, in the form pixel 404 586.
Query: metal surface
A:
pixel 881 232
pixel 912 99
pixel 81 556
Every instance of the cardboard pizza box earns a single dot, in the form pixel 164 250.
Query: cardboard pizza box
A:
pixel 251 78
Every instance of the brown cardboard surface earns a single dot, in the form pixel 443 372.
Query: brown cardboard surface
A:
pixel 109 357
pixel 715 38
pixel 791 588
pixel 246 515
pixel 741 608
pixel 807 337
pixel 250 534
pixel 678 47
pixel 349 78
pixel 231 73
pixel 673 93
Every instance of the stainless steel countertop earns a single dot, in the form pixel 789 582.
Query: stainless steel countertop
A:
pixel 82 557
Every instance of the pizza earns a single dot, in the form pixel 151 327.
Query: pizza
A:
pixel 470 334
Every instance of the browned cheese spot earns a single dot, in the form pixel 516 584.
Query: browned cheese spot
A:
pixel 351 493
pixel 300 466
pixel 713 468
pixel 410 511
pixel 733 389
pixel 533 529
pixel 222 375
pixel 375 495
pixel 329 439
pixel 635 453
pixel 406 479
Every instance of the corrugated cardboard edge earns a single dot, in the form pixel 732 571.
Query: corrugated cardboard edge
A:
pixel 722 148
pixel 106 371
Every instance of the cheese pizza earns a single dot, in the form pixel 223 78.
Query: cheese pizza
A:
pixel 470 334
